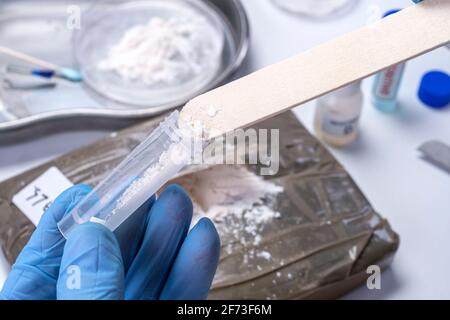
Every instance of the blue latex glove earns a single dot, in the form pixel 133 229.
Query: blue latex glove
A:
pixel 150 256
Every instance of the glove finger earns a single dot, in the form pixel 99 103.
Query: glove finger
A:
pixel 131 231
pixel 167 228
pixel 91 266
pixel 194 268
pixel 34 274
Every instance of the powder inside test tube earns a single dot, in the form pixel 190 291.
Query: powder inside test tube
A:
pixel 149 175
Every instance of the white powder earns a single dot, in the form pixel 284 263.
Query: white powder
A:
pixel 223 189
pixel 234 192
pixel 213 111
pixel 240 203
pixel 264 254
pixel 168 51
pixel 97 220
pixel 151 175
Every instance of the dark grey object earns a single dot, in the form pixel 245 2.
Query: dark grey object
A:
pixel 437 153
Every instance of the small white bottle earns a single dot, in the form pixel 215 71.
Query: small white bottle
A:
pixel 337 115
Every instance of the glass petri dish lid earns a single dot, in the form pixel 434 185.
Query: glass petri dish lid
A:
pixel 317 9
pixel 150 53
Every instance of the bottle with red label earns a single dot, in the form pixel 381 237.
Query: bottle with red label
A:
pixel 387 84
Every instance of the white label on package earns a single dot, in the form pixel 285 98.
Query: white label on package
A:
pixel 36 197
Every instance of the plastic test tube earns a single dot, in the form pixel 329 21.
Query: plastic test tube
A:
pixel 150 165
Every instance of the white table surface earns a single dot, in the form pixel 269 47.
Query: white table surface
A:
pixel 385 163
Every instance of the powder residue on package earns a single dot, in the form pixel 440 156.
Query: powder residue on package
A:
pixel 223 189
pixel 237 200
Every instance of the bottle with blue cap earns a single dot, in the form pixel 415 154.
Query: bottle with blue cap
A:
pixel 387 83
pixel 434 90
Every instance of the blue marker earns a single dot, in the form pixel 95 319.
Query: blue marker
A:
pixel 387 83
pixel 64 73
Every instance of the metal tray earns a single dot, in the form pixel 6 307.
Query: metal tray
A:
pixel 38 27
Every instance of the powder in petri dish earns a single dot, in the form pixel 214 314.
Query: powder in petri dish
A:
pixel 165 50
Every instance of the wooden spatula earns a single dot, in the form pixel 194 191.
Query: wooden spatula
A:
pixel 354 56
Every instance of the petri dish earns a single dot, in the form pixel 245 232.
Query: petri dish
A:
pixel 191 71
pixel 317 8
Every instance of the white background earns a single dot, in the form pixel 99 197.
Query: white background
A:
pixel 410 193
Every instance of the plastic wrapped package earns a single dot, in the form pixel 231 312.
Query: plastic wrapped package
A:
pixel 319 246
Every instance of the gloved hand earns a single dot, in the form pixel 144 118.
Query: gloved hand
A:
pixel 150 256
